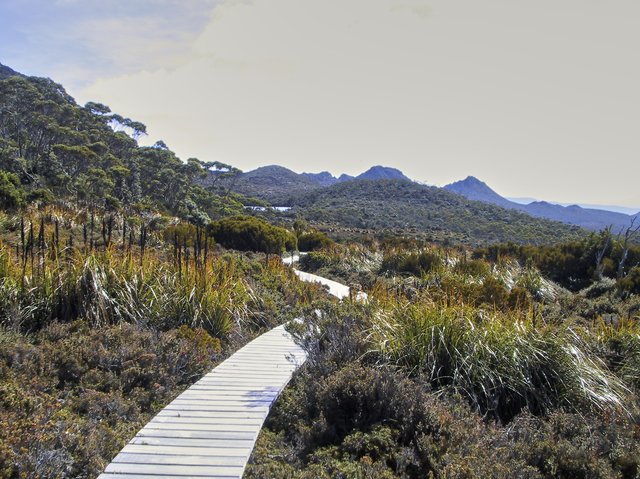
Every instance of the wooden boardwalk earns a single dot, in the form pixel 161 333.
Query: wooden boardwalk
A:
pixel 210 429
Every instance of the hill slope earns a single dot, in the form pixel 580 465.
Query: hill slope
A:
pixel 273 183
pixel 593 219
pixel 411 208
pixel 278 185
pixel 6 72
pixel 382 173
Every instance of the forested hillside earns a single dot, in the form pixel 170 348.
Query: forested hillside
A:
pixel 51 148
pixel 404 207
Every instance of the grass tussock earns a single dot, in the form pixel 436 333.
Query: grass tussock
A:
pixel 502 363
pixel 110 287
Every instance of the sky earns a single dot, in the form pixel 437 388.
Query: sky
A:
pixel 537 98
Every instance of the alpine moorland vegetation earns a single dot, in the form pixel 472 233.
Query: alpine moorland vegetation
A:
pixel 126 274
pixel 103 321
pixel 460 367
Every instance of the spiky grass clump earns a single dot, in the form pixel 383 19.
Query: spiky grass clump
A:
pixel 112 286
pixel 502 364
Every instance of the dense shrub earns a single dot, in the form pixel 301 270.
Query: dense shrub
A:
pixel 349 413
pixel 313 240
pixel 368 422
pixel 11 193
pixel 315 260
pixel 247 233
pixel 501 364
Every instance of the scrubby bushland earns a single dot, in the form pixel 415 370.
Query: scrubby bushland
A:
pixel 461 367
pixel 98 334
pixel 72 394
pixel 352 413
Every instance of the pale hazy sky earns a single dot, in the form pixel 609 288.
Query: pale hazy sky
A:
pixel 538 98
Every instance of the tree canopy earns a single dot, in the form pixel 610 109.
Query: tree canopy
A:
pixel 90 154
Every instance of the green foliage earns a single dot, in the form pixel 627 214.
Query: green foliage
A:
pixel 247 233
pixel 313 240
pixel 11 194
pixel 90 155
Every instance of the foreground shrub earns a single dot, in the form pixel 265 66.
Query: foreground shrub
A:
pixel 247 233
pixel 500 363
pixel 375 423
pixel 352 413
pixel 72 395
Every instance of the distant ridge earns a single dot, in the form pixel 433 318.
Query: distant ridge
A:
pixel 593 219
pixel 474 189
pixel 323 178
pixel 278 185
pixel 615 208
pixel 382 173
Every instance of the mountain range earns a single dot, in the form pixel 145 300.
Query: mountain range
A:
pixel 281 186
pixel 278 185
pixel 589 218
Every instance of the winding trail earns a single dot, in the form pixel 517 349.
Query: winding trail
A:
pixel 209 431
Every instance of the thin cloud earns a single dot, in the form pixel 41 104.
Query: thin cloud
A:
pixel 100 37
